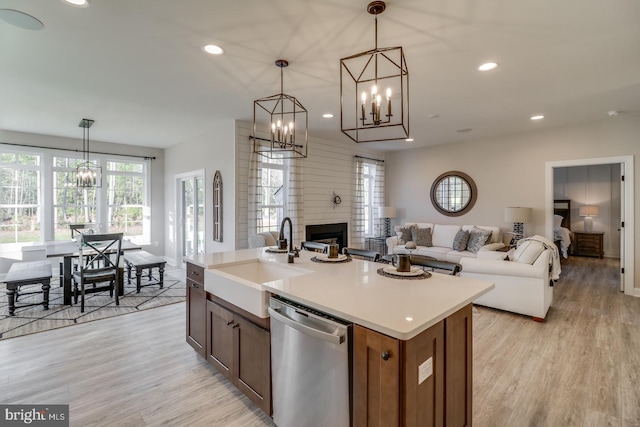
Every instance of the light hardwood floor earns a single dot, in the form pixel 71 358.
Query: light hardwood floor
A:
pixel 579 368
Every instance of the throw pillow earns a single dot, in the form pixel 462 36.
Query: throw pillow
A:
pixel 477 239
pixel 404 234
pixel 461 240
pixel 421 236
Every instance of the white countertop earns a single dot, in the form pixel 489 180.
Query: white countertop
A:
pixel 355 291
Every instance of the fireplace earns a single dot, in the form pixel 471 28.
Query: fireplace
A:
pixel 328 233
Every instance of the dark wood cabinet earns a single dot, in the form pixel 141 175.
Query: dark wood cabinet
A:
pixel 425 381
pixel 241 350
pixel 589 244
pixel 196 309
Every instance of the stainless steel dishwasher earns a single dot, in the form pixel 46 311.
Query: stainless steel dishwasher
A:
pixel 310 366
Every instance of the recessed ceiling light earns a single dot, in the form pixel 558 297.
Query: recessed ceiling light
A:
pixel 409 140
pixel 433 116
pixel 77 3
pixel 613 113
pixel 327 115
pixel 463 130
pixel 21 19
pixel 538 117
pixel 213 49
pixel 488 66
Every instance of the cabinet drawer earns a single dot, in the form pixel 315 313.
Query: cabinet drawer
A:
pixel 195 273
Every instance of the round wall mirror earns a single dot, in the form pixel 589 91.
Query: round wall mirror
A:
pixel 453 193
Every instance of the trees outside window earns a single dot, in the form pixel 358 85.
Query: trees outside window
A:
pixel 20 197
pixel 39 198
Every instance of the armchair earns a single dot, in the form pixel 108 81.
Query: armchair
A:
pixel 520 287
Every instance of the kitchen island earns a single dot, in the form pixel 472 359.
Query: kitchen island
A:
pixel 411 341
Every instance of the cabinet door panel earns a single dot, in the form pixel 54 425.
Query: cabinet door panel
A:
pixel 220 326
pixel 253 362
pixel 376 379
pixel 458 386
pixel 196 316
pixel 424 392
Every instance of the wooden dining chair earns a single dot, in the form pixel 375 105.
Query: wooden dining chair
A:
pixel 315 246
pixel 97 266
pixel 362 253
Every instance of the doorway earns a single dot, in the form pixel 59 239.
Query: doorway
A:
pixel 190 205
pixel 627 254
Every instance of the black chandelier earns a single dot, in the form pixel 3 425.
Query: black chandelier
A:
pixel 367 77
pixel 280 124
pixel 88 174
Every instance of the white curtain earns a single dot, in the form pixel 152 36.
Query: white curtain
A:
pixel 378 198
pixel 357 230
pixel 376 168
pixel 254 191
pixel 294 207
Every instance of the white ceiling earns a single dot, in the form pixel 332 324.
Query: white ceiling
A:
pixel 136 66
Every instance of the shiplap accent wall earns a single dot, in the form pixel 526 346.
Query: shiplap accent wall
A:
pixel 328 168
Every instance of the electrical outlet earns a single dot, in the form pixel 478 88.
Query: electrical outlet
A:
pixel 425 370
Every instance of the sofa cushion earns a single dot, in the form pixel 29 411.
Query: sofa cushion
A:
pixel 477 239
pixel 438 253
pixel 456 256
pixel 443 235
pixel 528 252
pixel 421 236
pixel 461 240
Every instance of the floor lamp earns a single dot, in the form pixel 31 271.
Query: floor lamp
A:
pixel 518 216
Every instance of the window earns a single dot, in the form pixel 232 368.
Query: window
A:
pixel 125 182
pixel 272 199
pixel 70 204
pixel 20 197
pixel 39 198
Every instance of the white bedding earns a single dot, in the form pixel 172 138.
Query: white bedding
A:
pixel 564 235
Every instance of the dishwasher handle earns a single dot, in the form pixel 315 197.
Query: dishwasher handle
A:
pixel 335 339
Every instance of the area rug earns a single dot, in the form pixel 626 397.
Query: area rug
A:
pixel 29 320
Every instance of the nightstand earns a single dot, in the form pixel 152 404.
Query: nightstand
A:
pixel 588 244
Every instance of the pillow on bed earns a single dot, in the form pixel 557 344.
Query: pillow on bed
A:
pixel 557 221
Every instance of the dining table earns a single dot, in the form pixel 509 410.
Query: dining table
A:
pixel 69 250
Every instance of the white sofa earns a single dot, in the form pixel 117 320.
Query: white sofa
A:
pixel 266 238
pixel 521 286
pixel 442 237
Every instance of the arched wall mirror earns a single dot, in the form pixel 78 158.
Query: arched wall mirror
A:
pixel 217 207
pixel 454 193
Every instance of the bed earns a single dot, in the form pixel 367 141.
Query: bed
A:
pixel 562 235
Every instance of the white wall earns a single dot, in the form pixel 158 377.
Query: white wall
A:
pixel 157 170
pixel 212 151
pixel 329 167
pixel 593 185
pixel 509 171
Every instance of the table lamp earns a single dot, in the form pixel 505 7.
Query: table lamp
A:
pixel 518 216
pixel 387 212
pixel 588 212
